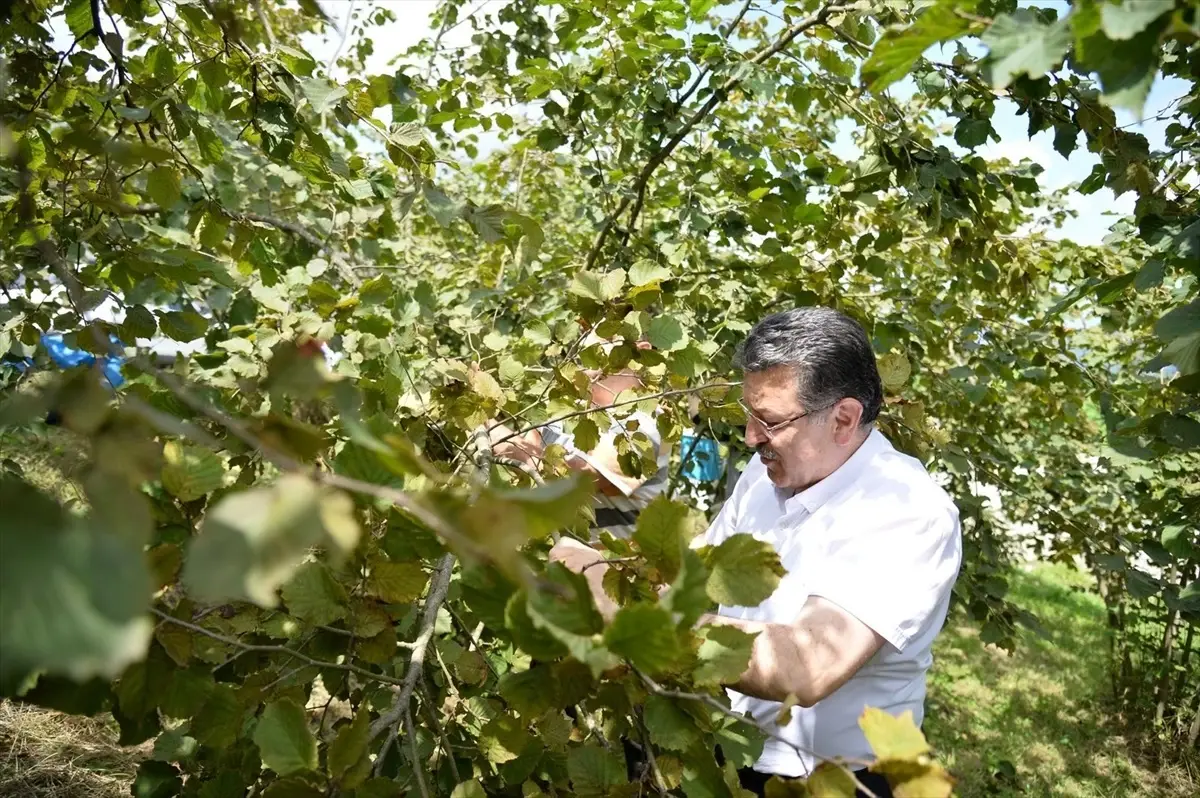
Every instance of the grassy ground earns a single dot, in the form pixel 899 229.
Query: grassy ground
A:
pixel 1036 723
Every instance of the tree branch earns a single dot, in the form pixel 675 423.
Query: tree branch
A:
pixel 273 649
pixel 591 410
pixel 660 156
pixel 399 711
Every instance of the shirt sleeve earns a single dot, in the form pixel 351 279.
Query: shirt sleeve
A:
pixel 895 576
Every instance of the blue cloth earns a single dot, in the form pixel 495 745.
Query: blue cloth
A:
pixel 703 459
pixel 68 357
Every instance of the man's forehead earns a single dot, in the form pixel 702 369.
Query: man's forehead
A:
pixel 772 389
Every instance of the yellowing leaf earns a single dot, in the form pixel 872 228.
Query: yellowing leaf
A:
pixel 830 781
pixel 892 737
pixel 894 370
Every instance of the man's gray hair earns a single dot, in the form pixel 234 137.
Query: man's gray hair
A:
pixel 829 352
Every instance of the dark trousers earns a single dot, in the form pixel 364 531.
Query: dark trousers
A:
pixel 756 782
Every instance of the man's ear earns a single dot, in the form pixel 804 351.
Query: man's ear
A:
pixel 847 414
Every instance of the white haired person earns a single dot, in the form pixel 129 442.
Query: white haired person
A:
pixel 619 497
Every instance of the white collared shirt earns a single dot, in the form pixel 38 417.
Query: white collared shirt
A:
pixel 879 538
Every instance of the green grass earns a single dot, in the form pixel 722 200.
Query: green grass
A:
pixel 1037 722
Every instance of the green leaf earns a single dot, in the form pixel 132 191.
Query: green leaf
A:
pixel 594 770
pixel 156 779
pixel 314 596
pixel 283 738
pixel 503 739
pixel 1126 68
pixel 688 595
pixel 164 186
pixel 183 326
pixel 1021 44
pixel 190 472
pixel 396 582
pixel 599 287
pixel 898 50
pixel 138 323
pixel 488 222
pixel 742 571
pixel 79 17
pixel 551 506
pixel 669 726
pixel 1126 19
pixel 645 635
pixel 647 272
pixel 1178 539
pixel 1181 432
pixel 663 530
pixel 252 542
pixel 567 613
pixel 321 94
pixel 529 692
pixel 441 207
pixel 667 333
pixel 174 745
pixel 469 789
pixel 1189 599
pixel 73 599
pixel 723 656
pixel 219 720
pixel 1183 320
pixel 350 745
pixel 971 133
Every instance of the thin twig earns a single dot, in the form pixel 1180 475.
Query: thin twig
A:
pixel 268 31
pixel 590 410
pixel 664 152
pixel 438 586
pixel 413 755
pixel 273 649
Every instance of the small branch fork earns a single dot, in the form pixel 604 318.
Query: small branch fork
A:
pixel 401 711
pixel 718 96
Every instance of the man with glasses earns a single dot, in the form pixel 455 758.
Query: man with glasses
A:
pixel 871 546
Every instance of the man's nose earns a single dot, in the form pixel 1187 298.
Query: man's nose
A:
pixel 754 436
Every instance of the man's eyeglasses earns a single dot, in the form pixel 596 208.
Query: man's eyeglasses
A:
pixel 770 429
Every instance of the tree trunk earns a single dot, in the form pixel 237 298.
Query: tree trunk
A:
pixel 1194 732
pixel 1183 662
pixel 1167 649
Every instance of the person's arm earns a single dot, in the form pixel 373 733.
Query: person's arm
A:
pixel 809 658
pixel 525 448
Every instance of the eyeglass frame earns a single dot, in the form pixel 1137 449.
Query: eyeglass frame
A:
pixel 770 429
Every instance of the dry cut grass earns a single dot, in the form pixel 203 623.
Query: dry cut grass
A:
pixel 46 754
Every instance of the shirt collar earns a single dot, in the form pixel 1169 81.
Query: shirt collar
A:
pixel 813 497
